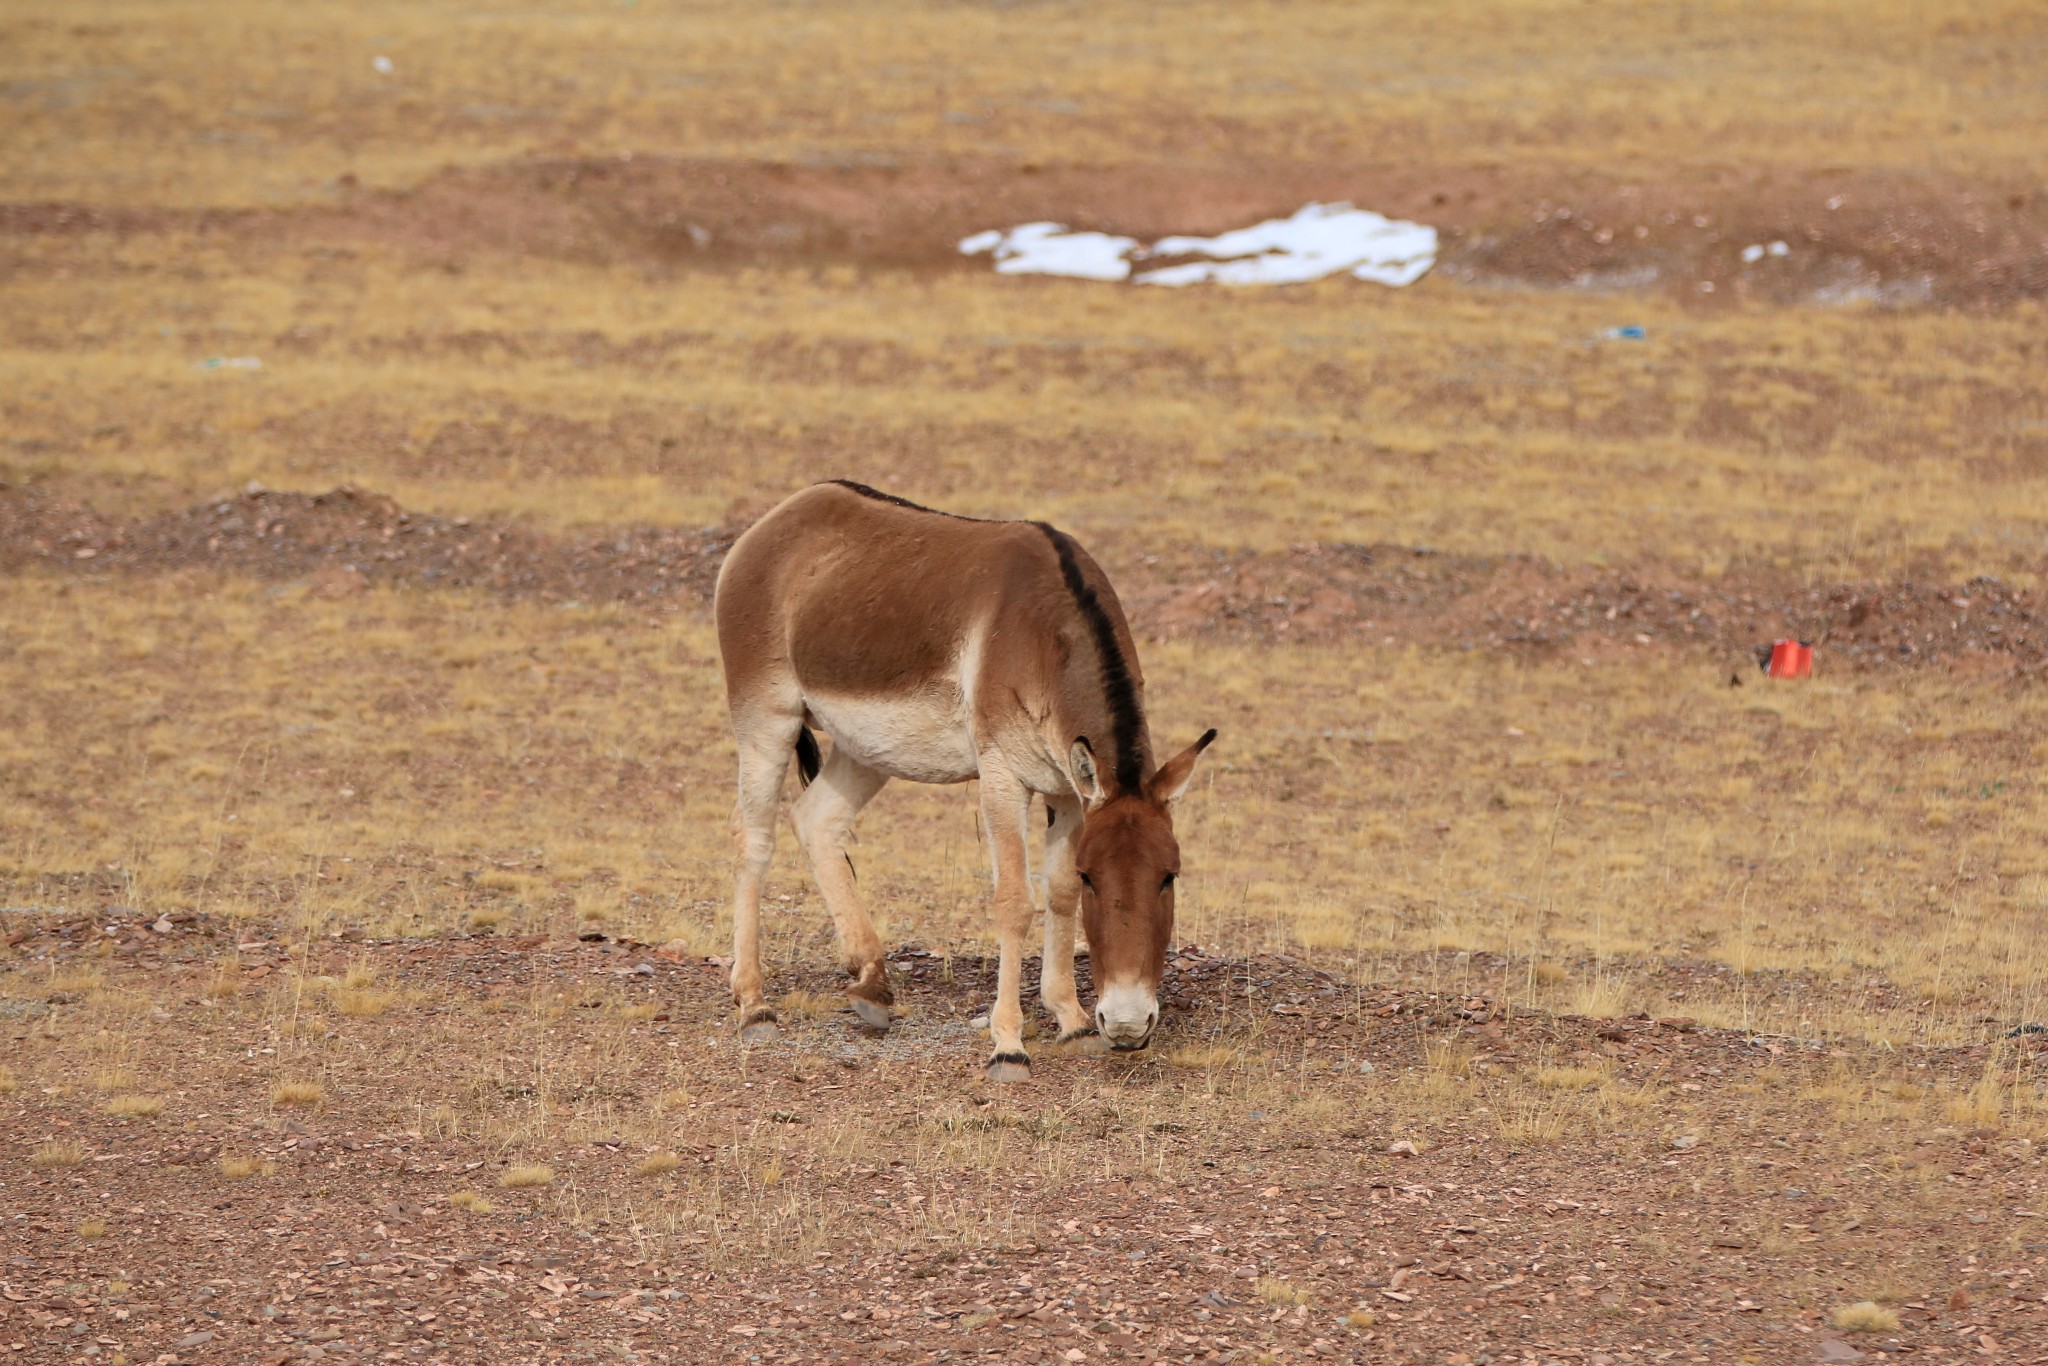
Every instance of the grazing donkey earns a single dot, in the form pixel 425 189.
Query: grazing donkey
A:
pixel 938 649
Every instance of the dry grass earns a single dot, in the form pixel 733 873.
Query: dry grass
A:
pixel 58 1152
pixel 1275 1291
pixel 241 1168
pixel 134 1107
pixel 300 1093
pixel 657 1164
pixel 92 1230
pixel 1346 82
pixel 1627 857
pixel 526 1177
pixel 1865 1316
pixel 470 1202
pixel 8 1081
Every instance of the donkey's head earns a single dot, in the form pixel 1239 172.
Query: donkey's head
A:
pixel 1128 859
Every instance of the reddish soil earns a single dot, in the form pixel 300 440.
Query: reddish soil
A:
pixel 1896 238
pixel 347 539
pixel 1679 1244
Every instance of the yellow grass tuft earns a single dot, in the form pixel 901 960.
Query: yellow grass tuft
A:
pixel 1865 1316
pixel 1273 1290
pixel 134 1107
pixel 470 1201
pixel 1361 1318
pixel 306 1093
pixel 239 1168
pixel 8 1081
pixel 58 1152
pixel 363 1004
pixel 113 1079
pixel 92 1229
pixel 1201 1056
pixel 658 1164
pixel 522 1178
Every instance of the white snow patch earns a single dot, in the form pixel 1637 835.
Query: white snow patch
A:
pixel 1049 249
pixel 1318 241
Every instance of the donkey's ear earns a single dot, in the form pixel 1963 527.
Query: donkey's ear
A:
pixel 1087 783
pixel 1172 778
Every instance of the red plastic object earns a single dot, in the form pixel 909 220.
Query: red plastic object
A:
pixel 1791 659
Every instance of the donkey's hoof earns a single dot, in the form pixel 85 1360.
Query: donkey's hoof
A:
pixel 1009 1067
pixel 760 1028
pixel 872 1015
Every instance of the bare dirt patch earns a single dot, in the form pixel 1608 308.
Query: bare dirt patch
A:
pixel 1848 236
pixel 348 539
pixel 846 1197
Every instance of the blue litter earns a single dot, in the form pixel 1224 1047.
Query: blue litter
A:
pixel 1629 333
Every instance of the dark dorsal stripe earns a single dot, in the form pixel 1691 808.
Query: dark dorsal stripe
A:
pixel 1120 689
pixel 864 491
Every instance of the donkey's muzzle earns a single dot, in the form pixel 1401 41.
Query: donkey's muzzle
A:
pixel 1126 1017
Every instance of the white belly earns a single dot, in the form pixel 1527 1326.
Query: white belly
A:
pixel 922 736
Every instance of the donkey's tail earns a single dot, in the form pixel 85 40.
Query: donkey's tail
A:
pixel 807 756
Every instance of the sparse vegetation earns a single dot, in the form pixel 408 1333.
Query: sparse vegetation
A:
pixel 591 287
pixel 301 1093
pixel 1865 1316
pixel 58 1152
pixel 657 1164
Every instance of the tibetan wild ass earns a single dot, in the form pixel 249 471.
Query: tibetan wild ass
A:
pixel 938 649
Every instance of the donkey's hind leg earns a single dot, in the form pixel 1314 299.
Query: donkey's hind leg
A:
pixel 765 744
pixel 824 817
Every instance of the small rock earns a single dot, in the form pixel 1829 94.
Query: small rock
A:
pixel 192 1340
pixel 1685 1143
pixel 643 969
pixel 1834 1349
pixel 978 1022
pixel 1365 1069
pixel 162 925
pixel 1401 1147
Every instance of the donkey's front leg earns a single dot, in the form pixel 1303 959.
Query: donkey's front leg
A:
pixel 1005 812
pixel 1062 907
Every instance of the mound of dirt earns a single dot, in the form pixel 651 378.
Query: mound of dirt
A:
pixel 1828 236
pixel 347 539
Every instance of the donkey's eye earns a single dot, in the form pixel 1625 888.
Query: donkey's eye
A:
pixel 1166 883
pixel 1086 881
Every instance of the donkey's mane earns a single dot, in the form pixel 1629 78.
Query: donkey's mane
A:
pixel 1120 689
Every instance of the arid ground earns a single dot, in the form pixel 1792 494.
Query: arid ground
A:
pixel 380 386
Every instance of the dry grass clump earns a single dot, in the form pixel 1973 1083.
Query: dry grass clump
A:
pixel 471 1202
pixel 808 1005
pixel 113 1079
pixel 240 1168
pixel 304 1093
pixel 91 1230
pixel 363 1004
pixel 1865 1316
pixel 657 1164
pixel 524 1178
pixel 1202 1057
pixel 58 1152
pixel 1275 1291
pixel 1361 1319
pixel 133 1106
pixel 9 1083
